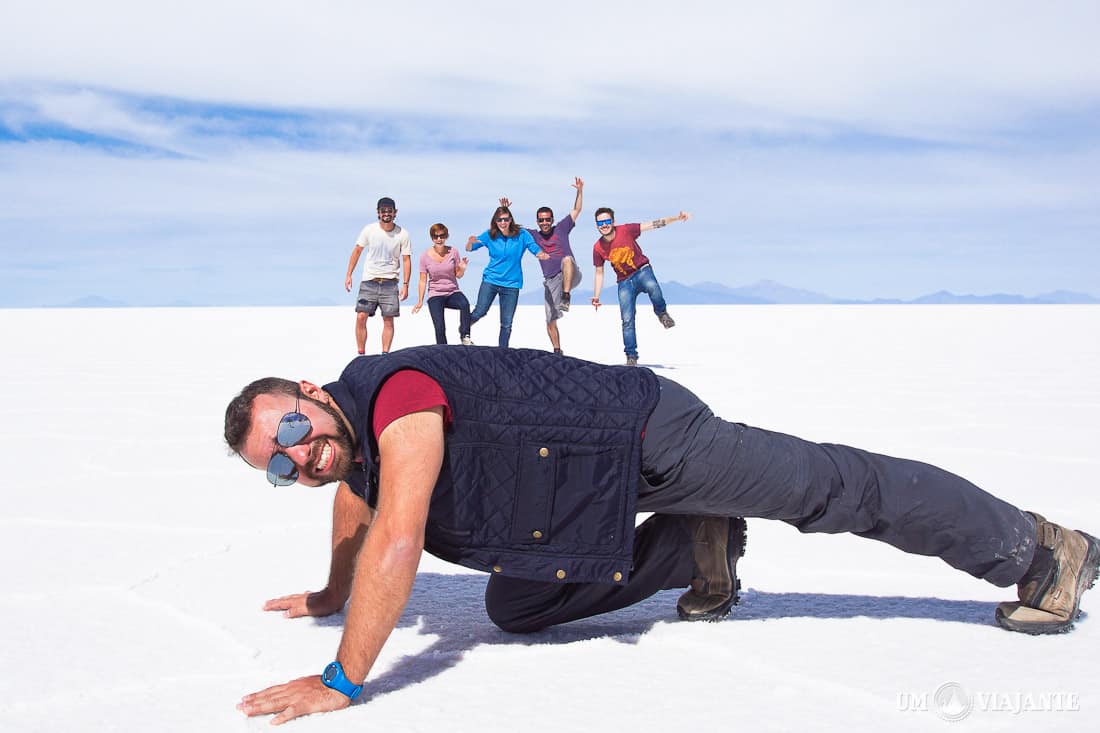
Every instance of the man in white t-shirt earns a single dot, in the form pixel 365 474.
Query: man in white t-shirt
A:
pixel 389 253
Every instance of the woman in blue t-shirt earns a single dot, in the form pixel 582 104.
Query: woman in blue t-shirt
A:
pixel 503 276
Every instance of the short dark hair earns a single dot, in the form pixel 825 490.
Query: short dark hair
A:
pixel 544 210
pixel 605 209
pixel 238 414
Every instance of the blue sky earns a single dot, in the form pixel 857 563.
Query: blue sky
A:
pixel 228 153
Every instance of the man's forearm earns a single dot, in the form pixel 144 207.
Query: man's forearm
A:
pixel 350 519
pixel 353 260
pixel 664 221
pixel 383 583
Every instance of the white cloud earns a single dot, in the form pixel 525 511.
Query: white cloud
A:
pixel 905 68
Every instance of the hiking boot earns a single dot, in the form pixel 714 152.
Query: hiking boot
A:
pixel 467 341
pixel 632 361
pixel 1064 567
pixel 565 302
pixel 559 352
pixel 719 542
pixel 666 320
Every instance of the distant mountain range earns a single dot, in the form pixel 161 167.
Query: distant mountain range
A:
pixel 768 292
pixel 765 292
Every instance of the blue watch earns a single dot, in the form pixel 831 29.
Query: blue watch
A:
pixel 333 677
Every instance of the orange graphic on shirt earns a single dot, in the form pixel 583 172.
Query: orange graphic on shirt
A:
pixel 620 256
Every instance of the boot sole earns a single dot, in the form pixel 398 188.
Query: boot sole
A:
pixel 739 533
pixel 1090 570
pixel 716 614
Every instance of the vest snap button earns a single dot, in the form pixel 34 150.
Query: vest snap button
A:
pixel 537 535
pixel 497 568
pixel 561 575
pixel 544 452
pixel 617 577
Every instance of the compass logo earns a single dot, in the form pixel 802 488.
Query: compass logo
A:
pixel 952 702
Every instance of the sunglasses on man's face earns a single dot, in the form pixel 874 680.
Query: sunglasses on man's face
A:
pixel 545 219
pixel 292 430
pixel 603 222
pixel 504 219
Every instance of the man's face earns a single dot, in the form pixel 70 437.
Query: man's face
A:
pixel 605 223
pixel 326 454
pixel 545 220
pixel 386 214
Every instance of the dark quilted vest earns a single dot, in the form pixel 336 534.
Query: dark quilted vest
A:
pixel 542 463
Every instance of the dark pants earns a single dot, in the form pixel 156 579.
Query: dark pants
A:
pixel 455 301
pixel 694 463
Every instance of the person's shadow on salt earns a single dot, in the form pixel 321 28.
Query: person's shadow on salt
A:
pixel 452 608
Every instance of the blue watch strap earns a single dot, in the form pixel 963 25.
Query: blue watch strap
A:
pixel 333 677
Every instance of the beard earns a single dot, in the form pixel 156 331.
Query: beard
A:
pixel 343 444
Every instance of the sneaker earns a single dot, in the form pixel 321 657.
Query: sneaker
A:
pixel 1065 566
pixel 564 302
pixel 666 320
pixel 558 352
pixel 719 542
pixel 632 361
pixel 467 341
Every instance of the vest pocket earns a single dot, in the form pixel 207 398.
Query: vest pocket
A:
pixel 535 484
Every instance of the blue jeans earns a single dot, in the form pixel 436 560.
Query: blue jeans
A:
pixel 642 281
pixel 456 301
pixel 509 298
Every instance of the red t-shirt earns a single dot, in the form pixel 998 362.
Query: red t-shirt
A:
pixel 404 392
pixel 623 252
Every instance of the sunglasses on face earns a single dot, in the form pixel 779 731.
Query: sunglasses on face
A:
pixel 292 430
pixel 440 236
pixel 504 219
pixel 603 222
pixel 545 219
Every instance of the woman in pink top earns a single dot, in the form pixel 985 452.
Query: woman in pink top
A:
pixel 440 268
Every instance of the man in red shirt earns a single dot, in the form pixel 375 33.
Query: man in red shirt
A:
pixel 619 246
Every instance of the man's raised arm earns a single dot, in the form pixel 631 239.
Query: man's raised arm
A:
pixel 664 221
pixel 578 202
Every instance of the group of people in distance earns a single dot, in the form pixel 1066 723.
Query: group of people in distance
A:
pixel 389 256
pixel 538 470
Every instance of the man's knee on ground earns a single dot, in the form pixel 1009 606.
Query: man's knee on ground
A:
pixel 514 625
pixel 507 611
